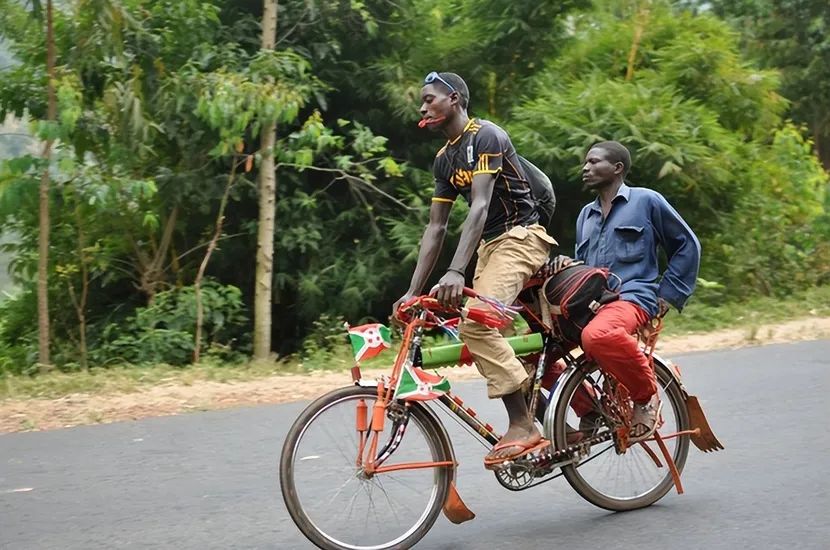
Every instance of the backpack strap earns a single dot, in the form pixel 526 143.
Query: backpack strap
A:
pixel 545 308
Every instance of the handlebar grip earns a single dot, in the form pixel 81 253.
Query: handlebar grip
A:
pixel 468 292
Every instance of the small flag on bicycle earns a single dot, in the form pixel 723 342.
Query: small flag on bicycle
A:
pixel 418 385
pixel 369 340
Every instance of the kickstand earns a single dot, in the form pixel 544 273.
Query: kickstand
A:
pixel 675 475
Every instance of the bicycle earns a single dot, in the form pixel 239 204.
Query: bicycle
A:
pixel 337 444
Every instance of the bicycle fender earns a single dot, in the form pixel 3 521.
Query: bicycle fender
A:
pixel 674 371
pixel 569 372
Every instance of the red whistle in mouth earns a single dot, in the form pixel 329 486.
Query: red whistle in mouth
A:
pixel 424 122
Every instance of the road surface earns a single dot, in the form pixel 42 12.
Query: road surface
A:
pixel 209 480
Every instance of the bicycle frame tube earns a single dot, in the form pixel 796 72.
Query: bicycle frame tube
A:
pixel 374 465
pixel 374 461
pixel 549 346
pixel 468 416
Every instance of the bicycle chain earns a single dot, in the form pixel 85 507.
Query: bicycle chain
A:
pixel 520 474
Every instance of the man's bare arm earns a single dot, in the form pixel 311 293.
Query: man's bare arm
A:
pixel 431 243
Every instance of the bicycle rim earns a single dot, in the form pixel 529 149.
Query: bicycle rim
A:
pixel 337 507
pixel 639 476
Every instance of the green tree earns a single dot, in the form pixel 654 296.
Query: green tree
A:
pixel 792 36
pixel 700 122
pixel 164 92
pixel 267 208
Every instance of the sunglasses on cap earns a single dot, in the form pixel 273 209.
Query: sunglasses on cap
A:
pixel 433 76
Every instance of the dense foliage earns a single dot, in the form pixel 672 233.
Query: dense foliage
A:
pixel 704 128
pixel 160 104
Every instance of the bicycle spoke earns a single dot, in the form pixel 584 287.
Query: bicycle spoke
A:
pixel 379 485
pixel 336 441
pixel 340 490
pixel 399 481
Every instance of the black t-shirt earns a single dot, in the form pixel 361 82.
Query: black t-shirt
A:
pixel 484 148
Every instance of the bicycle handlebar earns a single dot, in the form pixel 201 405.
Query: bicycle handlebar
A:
pixel 495 317
pixel 428 300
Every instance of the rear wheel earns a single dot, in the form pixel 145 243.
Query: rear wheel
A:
pixel 331 499
pixel 613 480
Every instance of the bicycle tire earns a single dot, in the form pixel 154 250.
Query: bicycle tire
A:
pixel 439 447
pixel 671 393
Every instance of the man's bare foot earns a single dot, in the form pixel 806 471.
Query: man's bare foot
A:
pixel 517 440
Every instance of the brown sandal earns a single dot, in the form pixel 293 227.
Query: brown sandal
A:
pixel 525 446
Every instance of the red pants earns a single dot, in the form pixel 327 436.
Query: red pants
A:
pixel 608 339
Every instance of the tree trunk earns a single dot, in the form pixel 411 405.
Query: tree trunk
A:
pixel 43 234
pixel 197 283
pixel 80 303
pixel 267 209
pixel 151 268
pixel 640 22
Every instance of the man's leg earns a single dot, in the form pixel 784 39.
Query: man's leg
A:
pixel 608 339
pixel 504 266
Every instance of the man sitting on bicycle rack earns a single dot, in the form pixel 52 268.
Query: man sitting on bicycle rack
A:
pixel 621 230
pixel 480 163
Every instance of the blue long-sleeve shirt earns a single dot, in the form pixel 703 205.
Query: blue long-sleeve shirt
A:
pixel 626 243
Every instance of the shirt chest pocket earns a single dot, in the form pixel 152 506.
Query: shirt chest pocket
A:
pixel 630 243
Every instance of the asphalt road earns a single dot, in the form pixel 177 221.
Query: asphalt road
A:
pixel 209 480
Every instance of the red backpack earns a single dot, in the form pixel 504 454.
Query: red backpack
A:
pixel 575 294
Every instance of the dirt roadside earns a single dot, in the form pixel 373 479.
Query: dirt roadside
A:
pixel 79 409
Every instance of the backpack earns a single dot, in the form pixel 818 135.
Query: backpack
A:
pixel 542 190
pixel 575 294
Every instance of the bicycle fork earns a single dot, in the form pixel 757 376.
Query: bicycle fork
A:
pixel 368 458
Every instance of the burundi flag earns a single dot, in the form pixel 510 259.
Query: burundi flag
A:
pixel 418 385
pixel 369 340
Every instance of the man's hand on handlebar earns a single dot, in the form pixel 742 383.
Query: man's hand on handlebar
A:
pixel 451 289
pixel 403 299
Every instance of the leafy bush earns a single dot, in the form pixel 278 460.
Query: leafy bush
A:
pixel 325 346
pixel 18 336
pixel 163 332
pixel 775 241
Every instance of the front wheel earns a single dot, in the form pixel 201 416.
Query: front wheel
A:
pixel 605 477
pixel 330 498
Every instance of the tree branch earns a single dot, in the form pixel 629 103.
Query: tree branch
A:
pixel 197 247
pixel 18 134
pixel 342 174
pixel 362 199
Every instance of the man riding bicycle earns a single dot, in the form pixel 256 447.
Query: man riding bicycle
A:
pixel 479 163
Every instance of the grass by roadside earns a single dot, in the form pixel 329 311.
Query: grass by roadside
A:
pixel 125 379
pixel 697 318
